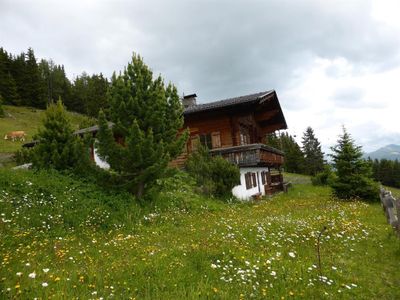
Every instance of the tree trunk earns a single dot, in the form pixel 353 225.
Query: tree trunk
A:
pixel 140 190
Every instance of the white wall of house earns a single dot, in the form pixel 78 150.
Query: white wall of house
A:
pixel 101 163
pixel 241 192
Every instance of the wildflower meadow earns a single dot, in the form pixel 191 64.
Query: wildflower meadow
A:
pixel 66 239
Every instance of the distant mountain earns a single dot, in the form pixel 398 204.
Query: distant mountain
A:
pixel 391 152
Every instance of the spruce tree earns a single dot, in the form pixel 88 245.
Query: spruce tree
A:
pixel 8 87
pixel 396 173
pixel 33 82
pixel 313 156
pixel 147 117
pixel 19 74
pixel 294 157
pixel 274 140
pixel 58 147
pixel 96 95
pixel 1 107
pixel 354 174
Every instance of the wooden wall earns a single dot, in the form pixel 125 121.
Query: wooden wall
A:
pixel 224 126
pixel 221 124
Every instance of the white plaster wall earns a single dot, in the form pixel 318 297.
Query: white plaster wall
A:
pixel 101 163
pixel 241 192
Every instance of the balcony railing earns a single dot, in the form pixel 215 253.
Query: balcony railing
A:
pixel 251 155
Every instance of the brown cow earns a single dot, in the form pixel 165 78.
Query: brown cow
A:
pixel 15 135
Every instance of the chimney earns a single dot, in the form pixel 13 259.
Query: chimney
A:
pixel 189 100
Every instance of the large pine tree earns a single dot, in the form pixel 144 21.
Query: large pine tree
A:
pixel 354 174
pixel 147 117
pixel 313 155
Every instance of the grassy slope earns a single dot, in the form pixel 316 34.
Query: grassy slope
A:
pixel 395 192
pixel 96 246
pixel 26 119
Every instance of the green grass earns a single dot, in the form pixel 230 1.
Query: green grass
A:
pixel 296 178
pixel 395 191
pixel 26 119
pixel 99 243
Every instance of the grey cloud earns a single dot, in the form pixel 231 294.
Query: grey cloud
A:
pixel 349 97
pixel 217 49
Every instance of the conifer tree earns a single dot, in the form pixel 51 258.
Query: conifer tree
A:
pixel 147 117
pixel 313 156
pixel 33 82
pixel 294 158
pixel 354 174
pixel 1 107
pixel 18 73
pixel 274 140
pixel 96 95
pixel 8 87
pixel 58 147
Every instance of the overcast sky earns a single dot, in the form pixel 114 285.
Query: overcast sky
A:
pixel 332 63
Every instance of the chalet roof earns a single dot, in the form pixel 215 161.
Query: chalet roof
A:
pixel 227 102
pixel 92 129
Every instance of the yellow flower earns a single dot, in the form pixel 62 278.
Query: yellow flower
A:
pixel 215 290
pixel 57 279
pixel 17 286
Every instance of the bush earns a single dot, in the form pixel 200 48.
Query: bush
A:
pixel 326 177
pixel 23 156
pixel 215 175
pixel 178 191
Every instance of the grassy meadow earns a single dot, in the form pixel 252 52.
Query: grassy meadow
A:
pixel 26 119
pixel 395 191
pixel 67 239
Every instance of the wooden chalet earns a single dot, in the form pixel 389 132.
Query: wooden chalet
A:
pixel 236 129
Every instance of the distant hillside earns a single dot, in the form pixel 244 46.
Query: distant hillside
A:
pixel 27 119
pixel 391 152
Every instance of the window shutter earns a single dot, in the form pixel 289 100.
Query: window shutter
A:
pixel 216 139
pixel 254 179
pixel 248 180
pixel 194 142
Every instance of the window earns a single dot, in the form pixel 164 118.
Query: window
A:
pixel 244 135
pixel 264 177
pixel 250 179
pixel 205 140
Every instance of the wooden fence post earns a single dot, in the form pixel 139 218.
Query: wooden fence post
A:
pixel 391 207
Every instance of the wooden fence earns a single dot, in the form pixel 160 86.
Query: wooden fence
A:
pixel 391 207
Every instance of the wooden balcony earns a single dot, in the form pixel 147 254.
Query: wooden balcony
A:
pixel 251 155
